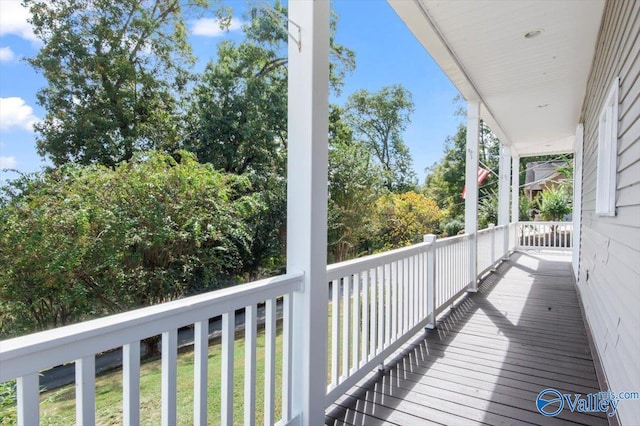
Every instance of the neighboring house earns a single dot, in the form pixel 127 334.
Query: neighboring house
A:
pixel 541 175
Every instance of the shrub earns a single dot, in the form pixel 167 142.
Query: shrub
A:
pixel 83 241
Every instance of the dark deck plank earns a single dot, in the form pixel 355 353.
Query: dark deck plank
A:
pixel 489 357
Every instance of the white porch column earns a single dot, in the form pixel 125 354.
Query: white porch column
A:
pixel 515 189
pixel 504 183
pixel 471 182
pixel 308 105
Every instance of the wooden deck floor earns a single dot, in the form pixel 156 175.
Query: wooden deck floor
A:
pixel 488 358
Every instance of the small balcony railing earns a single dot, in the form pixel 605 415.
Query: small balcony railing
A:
pixel 376 304
pixel 545 235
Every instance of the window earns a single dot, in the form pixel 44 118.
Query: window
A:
pixel 608 154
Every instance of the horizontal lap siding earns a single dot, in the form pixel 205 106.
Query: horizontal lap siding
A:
pixel 610 251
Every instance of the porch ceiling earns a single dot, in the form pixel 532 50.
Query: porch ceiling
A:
pixel 532 89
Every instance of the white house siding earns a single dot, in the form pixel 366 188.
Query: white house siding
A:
pixel 610 246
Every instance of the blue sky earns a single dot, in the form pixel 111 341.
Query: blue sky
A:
pixel 386 54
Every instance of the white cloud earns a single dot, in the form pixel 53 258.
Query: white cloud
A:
pixel 8 162
pixel 210 27
pixel 13 20
pixel 6 54
pixel 14 112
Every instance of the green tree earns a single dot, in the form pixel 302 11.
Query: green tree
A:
pixel 354 185
pixel 237 119
pixel 403 219
pixel 378 120
pixel 82 241
pixel 113 70
pixel 445 180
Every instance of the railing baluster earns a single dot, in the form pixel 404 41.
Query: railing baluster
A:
pixel 394 301
pixel 86 391
pixel 412 296
pixel 406 289
pixel 366 334
pixel 200 371
pixel 452 255
pixel 131 384
pixel 355 340
pixel 388 305
pixel 417 261
pixel 380 317
pixel 346 323
pixel 375 321
pixel 402 300
pixel 287 371
pixel 421 286
pixel 335 331
pixel 250 363
pixel 228 337
pixel 28 395
pixel 269 362
pixel 169 376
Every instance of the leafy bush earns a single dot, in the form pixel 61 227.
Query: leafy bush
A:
pixel 83 241
pixel 8 399
pixel 488 210
pixel 554 204
pixel 403 219
pixel 453 227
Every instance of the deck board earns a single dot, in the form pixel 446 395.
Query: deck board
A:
pixel 489 357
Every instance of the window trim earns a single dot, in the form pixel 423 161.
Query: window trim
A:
pixel 608 153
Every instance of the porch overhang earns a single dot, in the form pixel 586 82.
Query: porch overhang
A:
pixel 531 88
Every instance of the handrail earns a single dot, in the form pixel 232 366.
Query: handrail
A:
pixel 337 270
pixel 23 355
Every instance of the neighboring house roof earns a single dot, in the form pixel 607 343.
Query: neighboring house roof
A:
pixel 541 173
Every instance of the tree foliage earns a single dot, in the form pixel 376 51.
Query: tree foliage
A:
pixel 113 69
pixel 445 180
pixel 378 121
pixel 554 204
pixel 84 241
pixel 354 185
pixel 403 219
pixel 237 118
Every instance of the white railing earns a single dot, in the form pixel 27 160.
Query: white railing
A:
pixel 376 304
pixel 452 269
pixel 24 357
pixel 545 235
pixel 493 244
